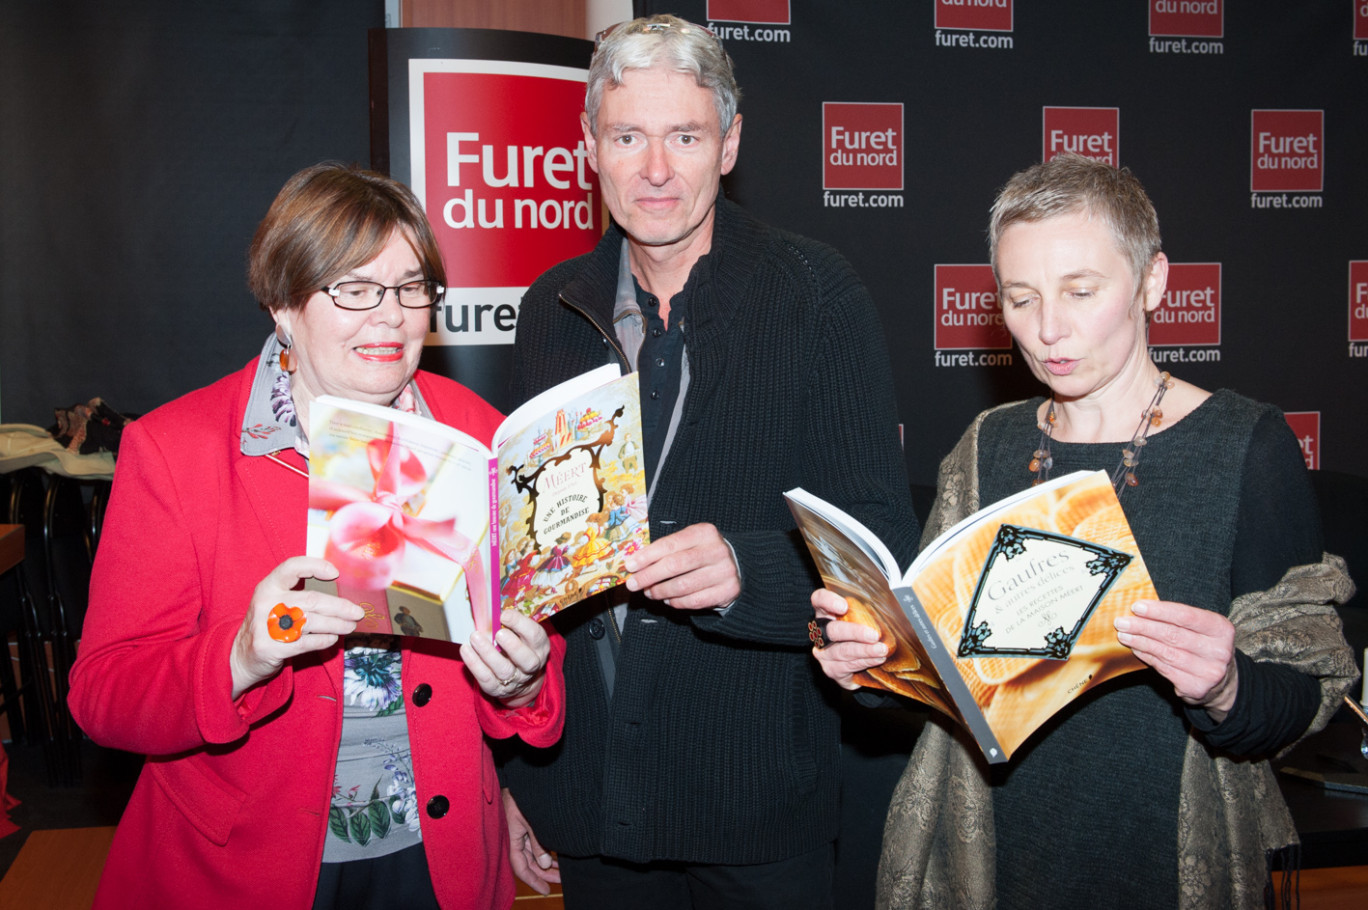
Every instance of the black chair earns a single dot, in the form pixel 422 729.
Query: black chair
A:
pixel 61 516
pixel 69 535
pixel 23 610
pixel 17 620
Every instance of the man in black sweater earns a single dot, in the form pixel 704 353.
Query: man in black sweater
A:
pixel 699 764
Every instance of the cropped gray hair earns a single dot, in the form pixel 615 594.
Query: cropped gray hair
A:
pixel 666 41
pixel 1070 184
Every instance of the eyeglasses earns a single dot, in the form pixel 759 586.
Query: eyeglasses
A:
pixel 637 27
pixel 367 295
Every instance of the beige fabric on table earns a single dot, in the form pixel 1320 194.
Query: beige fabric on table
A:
pixel 23 445
pixel 939 841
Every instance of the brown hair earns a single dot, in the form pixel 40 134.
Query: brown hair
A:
pixel 327 220
pixel 1069 184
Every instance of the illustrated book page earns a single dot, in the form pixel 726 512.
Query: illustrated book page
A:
pixel 572 493
pixel 1005 618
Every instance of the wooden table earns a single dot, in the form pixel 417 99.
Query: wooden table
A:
pixel 57 870
pixel 11 547
pixel 1333 824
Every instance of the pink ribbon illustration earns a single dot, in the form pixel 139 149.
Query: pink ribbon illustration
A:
pixel 369 535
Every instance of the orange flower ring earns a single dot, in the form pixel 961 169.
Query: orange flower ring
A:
pixel 286 623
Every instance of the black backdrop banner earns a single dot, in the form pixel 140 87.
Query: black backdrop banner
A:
pixel 140 143
pixel 885 127
pixel 142 140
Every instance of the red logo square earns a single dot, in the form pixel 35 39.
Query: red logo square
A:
pixel 502 171
pixel 1306 426
pixel 767 12
pixel 1358 300
pixel 862 146
pixel 967 312
pixel 1360 20
pixel 1094 132
pixel 1187 18
pixel 1286 151
pixel 1190 312
pixel 978 15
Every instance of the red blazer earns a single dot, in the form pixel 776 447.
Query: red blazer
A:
pixel 231 809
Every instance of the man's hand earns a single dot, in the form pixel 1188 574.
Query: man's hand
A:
pixel 536 867
pixel 692 569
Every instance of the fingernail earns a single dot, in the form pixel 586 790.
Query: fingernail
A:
pixel 1122 624
pixel 1141 607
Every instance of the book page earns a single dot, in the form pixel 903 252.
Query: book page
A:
pixel 1030 605
pixel 399 504
pixel 572 498
pixel 848 568
pixel 537 407
pixel 849 531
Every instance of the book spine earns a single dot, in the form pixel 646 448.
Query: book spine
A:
pixel 950 677
pixel 495 556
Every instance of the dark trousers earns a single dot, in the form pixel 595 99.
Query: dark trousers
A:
pixel 396 881
pixel 598 883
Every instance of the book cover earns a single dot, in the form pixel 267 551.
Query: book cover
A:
pixel 1007 616
pixel 434 533
pixel 572 494
pixel 399 504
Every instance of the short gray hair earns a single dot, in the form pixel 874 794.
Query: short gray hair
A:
pixel 1070 184
pixel 665 41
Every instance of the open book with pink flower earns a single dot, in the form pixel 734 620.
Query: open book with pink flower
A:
pixel 434 533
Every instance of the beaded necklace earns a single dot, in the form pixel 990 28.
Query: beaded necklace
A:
pixel 1124 474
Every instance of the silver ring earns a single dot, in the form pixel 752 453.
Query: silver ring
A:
pixel 506 682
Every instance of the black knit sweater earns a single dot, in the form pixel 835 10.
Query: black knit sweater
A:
pixel 720 743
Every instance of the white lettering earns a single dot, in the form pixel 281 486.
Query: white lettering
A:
pixel 864 139
pixel 969 300
pixel 1288 163
pixel 519 164
pixel 971 320
pixel 1192 298
pixel 557 161
pixel 1165 316
pixel 454 157
pixel 1088 144
pixel 1187 7
pixel 553 213
pixel 469 210
pixel 1273 144
pixel 456 318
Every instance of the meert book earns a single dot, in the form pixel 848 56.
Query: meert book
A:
pixel 1006 617
pixel 434 534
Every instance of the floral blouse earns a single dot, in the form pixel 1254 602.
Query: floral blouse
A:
pixel 374 807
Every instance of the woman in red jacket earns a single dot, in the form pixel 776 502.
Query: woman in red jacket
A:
pixel 332 769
